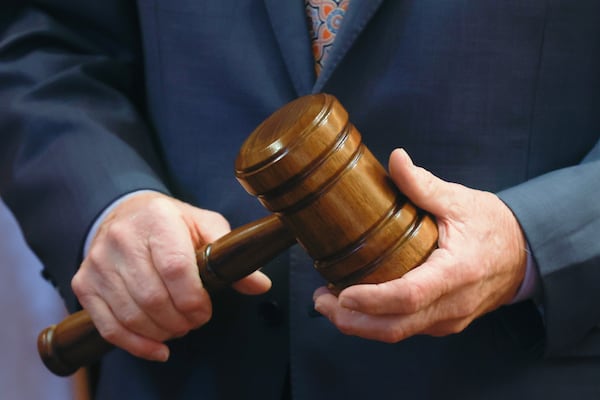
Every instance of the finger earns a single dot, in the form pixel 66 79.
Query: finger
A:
pixel 206 226
pixel 136 320
pixel 123 307
pixel 454 312
pixel 450 314
pixel 172 254
pixel 325 302
pixel 321 291
pixel 114 332
pixel 211 226
pixel 384 328
pixel 253 284
pixel 433 321
pixel 423 188
pixel 135 280
pixel 416 290
pixel 150 295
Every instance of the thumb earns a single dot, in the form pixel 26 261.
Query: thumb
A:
pixel 253 284
pixel 424 189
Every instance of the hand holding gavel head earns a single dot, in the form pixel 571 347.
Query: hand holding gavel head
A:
pixel 305 163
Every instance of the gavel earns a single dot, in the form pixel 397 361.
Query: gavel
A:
pixel 307 164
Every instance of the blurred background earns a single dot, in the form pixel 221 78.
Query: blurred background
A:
pixel 27 305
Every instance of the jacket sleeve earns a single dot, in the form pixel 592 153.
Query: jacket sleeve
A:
pixel 72 136
pixel 560 215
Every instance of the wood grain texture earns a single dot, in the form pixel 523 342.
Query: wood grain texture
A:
pixel 307 164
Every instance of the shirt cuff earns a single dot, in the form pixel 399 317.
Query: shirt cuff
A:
pixel 531 281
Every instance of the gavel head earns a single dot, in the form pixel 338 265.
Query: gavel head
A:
pixel 307 164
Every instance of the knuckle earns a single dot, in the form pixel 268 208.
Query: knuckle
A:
pixel 97 260
pixel 78 285
pixel 191 305
pixel 212 225
pixel 161 208
pixel 82 288
pixel 118 231
pixel 131 320
pixel 174 266
pixel 412 301
pixel 196 319
pixel 220 219
pixel 207 317
pixel 476 273
pixel 153 299
pixel 214 217
pixel 86 299
pixel 206 314
pixel 159 205
pixel 110 332
pixel 95 255
pixel 201 318
pixel 411 305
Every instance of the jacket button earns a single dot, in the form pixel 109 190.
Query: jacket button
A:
pixel 270 312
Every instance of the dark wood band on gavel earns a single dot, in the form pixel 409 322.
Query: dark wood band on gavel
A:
pixel 307 164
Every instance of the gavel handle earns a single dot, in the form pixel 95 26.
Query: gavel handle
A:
pixel 75 342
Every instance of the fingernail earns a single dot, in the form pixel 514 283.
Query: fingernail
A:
pixel 319 307
pixel 161 354
pixel 320 291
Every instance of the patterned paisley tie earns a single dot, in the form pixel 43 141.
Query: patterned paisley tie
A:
pixel 324 19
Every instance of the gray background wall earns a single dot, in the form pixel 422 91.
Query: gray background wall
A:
pixel 27 305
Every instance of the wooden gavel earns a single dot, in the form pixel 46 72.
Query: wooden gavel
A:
pixel 306 163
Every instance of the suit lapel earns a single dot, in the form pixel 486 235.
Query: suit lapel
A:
pixel 288 19
pixel 358 15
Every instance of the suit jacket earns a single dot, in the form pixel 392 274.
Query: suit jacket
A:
pixel 103 98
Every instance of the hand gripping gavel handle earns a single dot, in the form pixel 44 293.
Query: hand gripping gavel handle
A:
pixel 75 342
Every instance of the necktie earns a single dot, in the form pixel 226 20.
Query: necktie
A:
pixel 324 21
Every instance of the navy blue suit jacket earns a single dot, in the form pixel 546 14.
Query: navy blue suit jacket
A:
pixel 102 98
